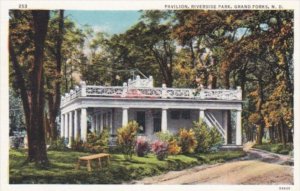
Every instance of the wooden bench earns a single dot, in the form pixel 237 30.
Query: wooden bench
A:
pixel 88 160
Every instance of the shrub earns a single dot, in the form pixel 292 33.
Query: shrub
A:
pixel 187 140
pixel 58 145
pixel 206 137
pixel 126 138
pixel 16 141
pixel 77 145
pixel 101 141
pixel 164 136
pixel 215 138
pixel 160 149
pixel 281 149
pixel 173 147
pixel 142 146
pixel 95 143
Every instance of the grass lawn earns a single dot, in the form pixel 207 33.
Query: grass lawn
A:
pixel 62 167
pixel 275 148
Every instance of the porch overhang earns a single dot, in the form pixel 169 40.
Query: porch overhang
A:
pixel 108 102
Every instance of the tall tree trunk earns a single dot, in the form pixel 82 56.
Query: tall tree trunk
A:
pixel 290 136
pixel 214 82
pixel 271 130
pixel 164 68
pixel 33 96
pixel 252 133
pixel 37 145
pixel 261 124
pixel 48 132
pixel 54 100
pixel 243 79
pixel 193 58
pixel 279 137
pixel 260 134
pixel 283 132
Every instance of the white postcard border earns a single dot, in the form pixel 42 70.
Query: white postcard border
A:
pixel 136 5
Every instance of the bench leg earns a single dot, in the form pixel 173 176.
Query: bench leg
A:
pixel 89 168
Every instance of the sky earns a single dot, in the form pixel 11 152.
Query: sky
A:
pixel 111 22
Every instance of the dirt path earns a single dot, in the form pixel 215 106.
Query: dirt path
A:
pixel 258 167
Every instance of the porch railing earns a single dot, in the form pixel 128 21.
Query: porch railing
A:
pixel 156 93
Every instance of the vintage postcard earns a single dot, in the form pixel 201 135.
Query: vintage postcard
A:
pixel 150 95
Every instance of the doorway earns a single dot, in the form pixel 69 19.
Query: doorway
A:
pixel 141 120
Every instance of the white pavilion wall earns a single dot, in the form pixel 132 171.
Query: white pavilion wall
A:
pixel 173 124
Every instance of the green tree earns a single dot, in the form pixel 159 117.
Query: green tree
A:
pixel 32 27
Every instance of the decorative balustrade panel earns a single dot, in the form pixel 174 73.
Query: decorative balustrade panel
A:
pixel 78 92
pixel 73 95
pixel 179 93
pixel 104 91
pixel 219 94
pixel 137 92
pixel 144 92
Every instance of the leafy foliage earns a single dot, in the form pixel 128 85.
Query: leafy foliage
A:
pixel 187 140
pixel 276 148
pixel 160 149
pixel 95 143
pixel 16 114
pixel 167 137
pixel 173 147
pixel 206 137
pixel 126 138
pixel 142 146
pixel 164 136
pixel 58 145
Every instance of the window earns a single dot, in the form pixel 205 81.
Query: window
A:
pixel 180 114
pixel 156 125
pixel 185 114
pixel 175 114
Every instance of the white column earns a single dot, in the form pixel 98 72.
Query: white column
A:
pixel 238 127
pixel 225 124
pixel 66 126
pixel 101 121
pixel 62 129
pixel 93 129
pixel 125 116
pixel 70 128
pixel 201 114
pixel 76 124
pixel 164 120
pixel 111 120
pixel 112 123
pixel 83 124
